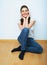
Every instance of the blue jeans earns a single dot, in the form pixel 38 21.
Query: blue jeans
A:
pixel 28 44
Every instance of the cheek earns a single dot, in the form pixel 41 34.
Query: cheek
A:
pixel 22 14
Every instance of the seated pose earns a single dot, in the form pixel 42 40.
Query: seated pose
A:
pixel 26 39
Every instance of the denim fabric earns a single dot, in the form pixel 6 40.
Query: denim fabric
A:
pixel 28 44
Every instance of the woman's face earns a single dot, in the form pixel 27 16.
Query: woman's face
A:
pixel 24 12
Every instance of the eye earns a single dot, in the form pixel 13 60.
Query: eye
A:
pixel 22 10
pixel 26 10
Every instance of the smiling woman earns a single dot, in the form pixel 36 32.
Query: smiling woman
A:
pixel 28 44
pixel 18 37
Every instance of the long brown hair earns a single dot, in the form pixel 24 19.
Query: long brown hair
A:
pixel 21 20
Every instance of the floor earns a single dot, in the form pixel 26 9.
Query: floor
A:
pixel 8 58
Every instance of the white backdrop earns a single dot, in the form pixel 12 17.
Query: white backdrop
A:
pixel 10 15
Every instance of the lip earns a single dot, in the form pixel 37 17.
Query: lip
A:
pixel 25 14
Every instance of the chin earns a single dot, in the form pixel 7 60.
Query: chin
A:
pixel 25 16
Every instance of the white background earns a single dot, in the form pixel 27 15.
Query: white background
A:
pixel 10 15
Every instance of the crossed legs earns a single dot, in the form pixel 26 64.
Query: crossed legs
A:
pixel 27 44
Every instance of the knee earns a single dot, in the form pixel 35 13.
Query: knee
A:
pixel 26 29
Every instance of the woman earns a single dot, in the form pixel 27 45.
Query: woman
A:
pixel 28 44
